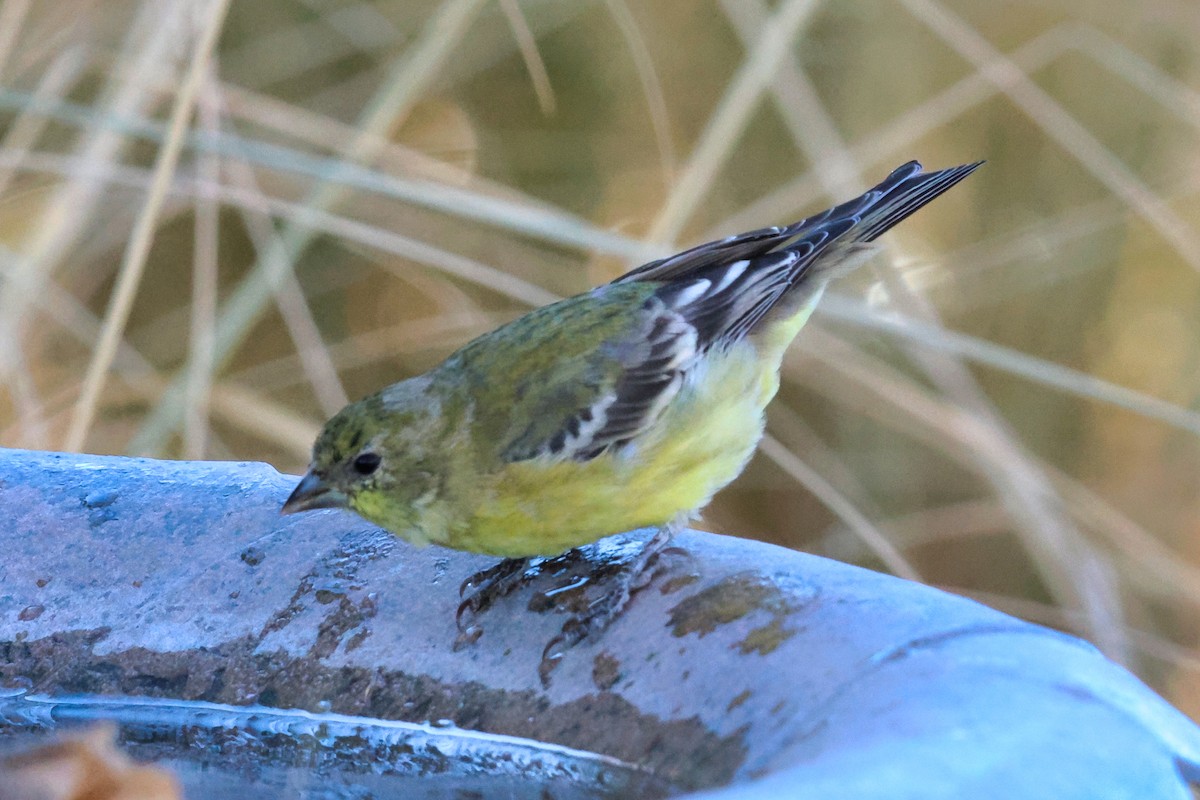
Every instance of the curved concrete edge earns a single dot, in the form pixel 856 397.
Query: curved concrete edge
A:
pixel 743 666
pixel 997 718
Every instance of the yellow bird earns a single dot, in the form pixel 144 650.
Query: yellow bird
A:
pixel 627 406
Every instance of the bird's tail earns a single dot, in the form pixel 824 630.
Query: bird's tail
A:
pixel 867 217
pixel 740 285
pixel 899 195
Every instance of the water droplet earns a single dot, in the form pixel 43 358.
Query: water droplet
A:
pixel 253 556
pixel 100 498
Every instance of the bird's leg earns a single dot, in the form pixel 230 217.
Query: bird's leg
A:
pixel 487 586
pixel 600 613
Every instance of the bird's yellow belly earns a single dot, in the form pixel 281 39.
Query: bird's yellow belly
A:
pixel 701 443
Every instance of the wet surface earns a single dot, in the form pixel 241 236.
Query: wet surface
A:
pixel 235 674
pixel 682 751
pixel 233 752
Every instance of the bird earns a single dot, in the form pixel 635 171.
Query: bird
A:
pixel 628 406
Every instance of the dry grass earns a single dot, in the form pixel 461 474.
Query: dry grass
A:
pixel 216 228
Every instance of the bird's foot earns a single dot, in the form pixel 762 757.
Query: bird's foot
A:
pixel 486 587
pixel 599 584
pixel 593 615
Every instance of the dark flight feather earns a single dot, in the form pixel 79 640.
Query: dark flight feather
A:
pixel 716 294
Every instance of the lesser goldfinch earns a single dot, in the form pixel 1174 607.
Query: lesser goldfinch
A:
pixel 627 406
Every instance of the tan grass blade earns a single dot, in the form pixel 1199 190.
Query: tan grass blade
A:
pixel 12 20
pixel 656 101
pixel 206 235
pixel 1045 373
pixel 289 298
pixel 836 502
pixel 134 260
pixel 728 120
pixel 527 47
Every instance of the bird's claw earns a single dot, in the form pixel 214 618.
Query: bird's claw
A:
pixel 573 631
pixel 500 571
pixel 616 583
pixel 489 585
pixel 467 636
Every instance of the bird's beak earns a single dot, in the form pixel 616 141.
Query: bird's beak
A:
pixel 312 493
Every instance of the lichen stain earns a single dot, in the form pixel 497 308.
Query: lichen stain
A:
pixel 606 671
pixel 737 701
pixel 765 639
pixel 252 556
pixel 730 600
pixel 672 585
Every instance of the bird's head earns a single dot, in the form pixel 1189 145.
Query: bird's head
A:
pixel 375 457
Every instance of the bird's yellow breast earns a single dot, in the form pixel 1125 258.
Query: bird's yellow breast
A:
pixel 702 442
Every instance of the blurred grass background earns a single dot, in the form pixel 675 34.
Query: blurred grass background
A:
pixel 219 221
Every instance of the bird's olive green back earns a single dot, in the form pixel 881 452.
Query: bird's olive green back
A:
pixel 523 380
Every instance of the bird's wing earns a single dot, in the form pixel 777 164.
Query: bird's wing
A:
pixel 589 374
pixel 577 378
pixel 610 380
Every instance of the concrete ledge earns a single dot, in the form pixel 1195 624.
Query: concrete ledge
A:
pixel 745 671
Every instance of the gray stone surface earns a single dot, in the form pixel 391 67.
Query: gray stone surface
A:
pixel 745 670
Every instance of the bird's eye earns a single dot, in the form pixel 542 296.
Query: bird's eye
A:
pixel 366 463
